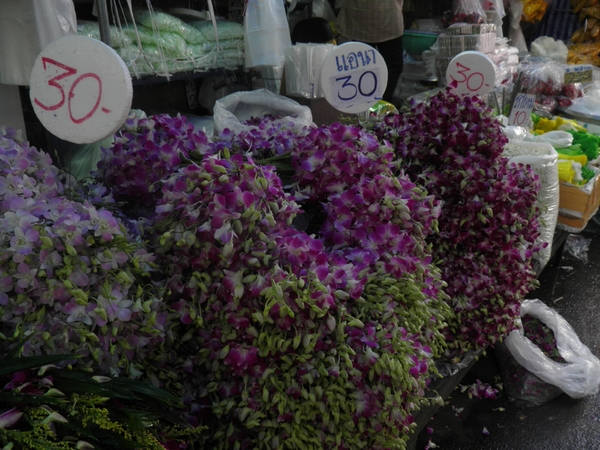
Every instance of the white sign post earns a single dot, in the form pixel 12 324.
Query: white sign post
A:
pixel 353 77
pixel 474 72
pixel 520 113
pixel 80 89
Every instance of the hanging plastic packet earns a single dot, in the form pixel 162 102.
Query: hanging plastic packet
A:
pixel 467 11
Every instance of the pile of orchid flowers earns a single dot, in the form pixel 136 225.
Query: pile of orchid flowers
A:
pixel 71 278
pixel 282 328
pixel 270 334
pixel 452 147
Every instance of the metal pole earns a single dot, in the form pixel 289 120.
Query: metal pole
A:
pixel 103 21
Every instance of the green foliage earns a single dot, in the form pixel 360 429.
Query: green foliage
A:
pixel 53 408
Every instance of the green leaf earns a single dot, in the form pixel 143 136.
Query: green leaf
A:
pixel 146 389
pixel 12 365
pixel 12 398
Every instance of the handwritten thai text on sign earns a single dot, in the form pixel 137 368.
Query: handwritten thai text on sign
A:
pixel 354 77
pixel 581 73
pixel 521 110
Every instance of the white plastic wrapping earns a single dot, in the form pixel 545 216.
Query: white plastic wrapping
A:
pixel 515 33
pixel 544 161
pixel 514 133
pixel 557 138
pixel 547 48
pixel 497 6
pixel 266 33
pixel 579 377
pixel 229 112
pixel 589 104
pixel 303 64
pixel 26 28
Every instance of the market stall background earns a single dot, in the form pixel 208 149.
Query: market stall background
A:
pixel 325 337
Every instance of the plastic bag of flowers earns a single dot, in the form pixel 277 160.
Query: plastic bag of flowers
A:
pixel 544 358
pixel 235 111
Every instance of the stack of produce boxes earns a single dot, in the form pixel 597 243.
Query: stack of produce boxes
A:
pixel 462 37
pixel 578 205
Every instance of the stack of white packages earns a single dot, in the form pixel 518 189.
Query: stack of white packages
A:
pixel 461 37
pixel 543 159
pixel 158 43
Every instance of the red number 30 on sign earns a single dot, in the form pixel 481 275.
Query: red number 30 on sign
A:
pixel 66 73
pixel 80 89
pixel 473 72
pixel 473 79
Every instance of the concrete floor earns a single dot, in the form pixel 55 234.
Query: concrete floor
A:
pixel 559 424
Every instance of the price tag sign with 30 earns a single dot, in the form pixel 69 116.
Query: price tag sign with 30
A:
pixel 80 89
pixel 353 77
pixel 474 73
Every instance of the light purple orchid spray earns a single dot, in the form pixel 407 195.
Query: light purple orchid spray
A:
pixel 71 279
pixel 329 160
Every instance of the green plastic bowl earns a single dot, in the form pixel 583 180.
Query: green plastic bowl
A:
pixel 416 42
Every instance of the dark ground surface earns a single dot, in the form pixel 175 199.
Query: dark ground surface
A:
pixel 562 423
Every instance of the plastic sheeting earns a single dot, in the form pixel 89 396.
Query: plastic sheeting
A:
pixel 543 159
pixel 26 28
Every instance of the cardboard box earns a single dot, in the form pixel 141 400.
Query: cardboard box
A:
pixel 572 225
pixel 577 205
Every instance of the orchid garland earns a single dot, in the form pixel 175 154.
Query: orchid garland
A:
pixel 272 347
pixel 452 146
pixel 542 337
pixel 146 150
pixel 331 159
pixel 275 330
pixel 269 334
pixel 266 137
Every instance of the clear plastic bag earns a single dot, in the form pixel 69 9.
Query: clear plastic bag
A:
pixel 229 112
pixel 266 33
pixel 226 30
pixel 144 34
pixel 544 79
pixel 166 22
pixel 467 11
pixel 522 387
pixel 577 246
pixel 579 377
pixel 547 47
pixel 92 29
pixel 515 33
pixel 172 44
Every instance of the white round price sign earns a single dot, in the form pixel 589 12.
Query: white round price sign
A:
pixel 474 72
pixel 353 77
pixel 80 89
